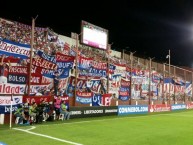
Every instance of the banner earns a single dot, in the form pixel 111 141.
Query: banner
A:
pixel 159 108
pixel 96 100
pixel 50 58
pixel 94 85
pixel 132 109
pixel 11 88
pixel 175 107
pixel 123 95
pixel 37 99
pixel 98 69
pixel 120 69
pixel 5 103
pixel 115 84
pixel 188 88
pixel 17 79
pixel 106 99
pixel 64 58
pixel 10 48
pixel 63 83
pixel 82 112
pixel 112 68
pixel 84 62
pixel 189 106
pixel 41 62
pixel 18 70
pixel 84 97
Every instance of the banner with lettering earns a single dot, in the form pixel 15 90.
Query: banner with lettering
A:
pixel 94 85
pixel 50 58
pixel 98 69
pixel 84 62
pixel 37 99
pixel 12 88
pixel 5 103
pixel 41 62
pixel 115 84
pixel 81 83
pixel 96 100
pixel 84 97
pixel 106 99
pixel 120 69
pixel 124 92
pixel 16 79
pixel 15 49
pixel 64 61
pixel 20 88
pixel 123 95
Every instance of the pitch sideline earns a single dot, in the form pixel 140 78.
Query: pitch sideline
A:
pixel 47 136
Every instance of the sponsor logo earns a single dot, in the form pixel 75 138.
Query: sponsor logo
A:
pixel 93 111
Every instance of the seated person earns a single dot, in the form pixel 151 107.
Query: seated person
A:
pixel 33 111
pixel 19 113
pixel 64 110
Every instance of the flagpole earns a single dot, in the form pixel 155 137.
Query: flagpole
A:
pixel 10 123
pixel 131 65
pixel 76 68
pixel 163 88
pixel 174 86
pixel 150 78
pixel 184 87
pixel 31 54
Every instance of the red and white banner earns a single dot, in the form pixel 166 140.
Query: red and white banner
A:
pixel 37 99
pixel 159 108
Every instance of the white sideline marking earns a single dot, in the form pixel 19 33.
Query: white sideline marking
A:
pixel 33 127
pixel 47 136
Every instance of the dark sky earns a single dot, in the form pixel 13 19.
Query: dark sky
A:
pixel 149 27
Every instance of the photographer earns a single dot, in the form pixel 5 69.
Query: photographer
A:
pixel 33 112
pixel 20 114
pixel 44 107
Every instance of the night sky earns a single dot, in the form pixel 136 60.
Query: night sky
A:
pixel 149 27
